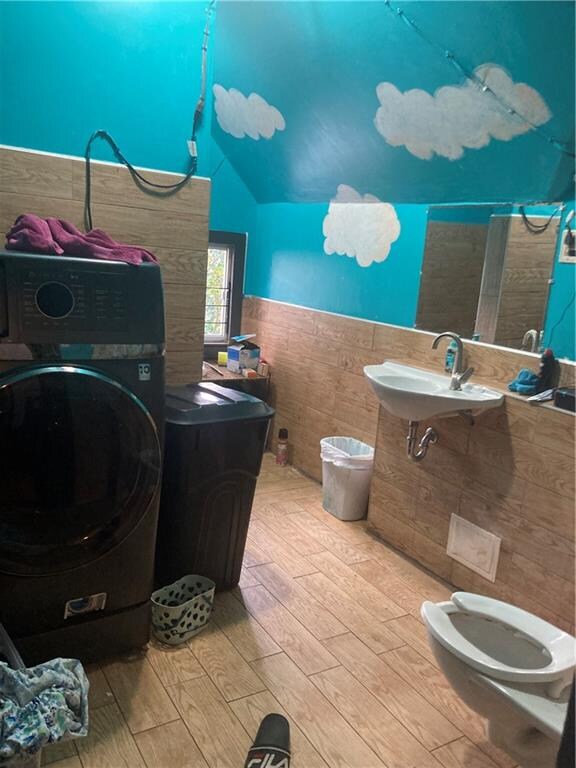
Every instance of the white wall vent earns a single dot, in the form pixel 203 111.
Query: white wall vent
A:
pixel 474 547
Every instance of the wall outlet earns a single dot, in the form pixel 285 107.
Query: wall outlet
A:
pixel 568 247
pixel 474 547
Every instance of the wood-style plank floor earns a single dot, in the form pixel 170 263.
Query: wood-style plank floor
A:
pixel 324 628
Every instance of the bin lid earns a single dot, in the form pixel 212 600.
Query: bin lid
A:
pixel 209 403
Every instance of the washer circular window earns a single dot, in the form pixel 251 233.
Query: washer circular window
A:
pixel 80 466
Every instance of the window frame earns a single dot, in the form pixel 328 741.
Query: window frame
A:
pixel 236 244
pixel 224 291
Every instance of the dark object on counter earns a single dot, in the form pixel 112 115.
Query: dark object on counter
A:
pixel 565 398
pixel 215 438
pixel 549 371
pixel 271 748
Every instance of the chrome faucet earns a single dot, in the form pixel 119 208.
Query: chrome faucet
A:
pixel 530 340
pixel 458 376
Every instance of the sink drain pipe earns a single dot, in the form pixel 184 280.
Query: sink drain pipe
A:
pixel 417 450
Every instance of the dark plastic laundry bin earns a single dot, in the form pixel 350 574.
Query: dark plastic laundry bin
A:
pixel 214 443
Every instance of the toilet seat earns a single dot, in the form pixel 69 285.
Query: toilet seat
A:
pixel 558 644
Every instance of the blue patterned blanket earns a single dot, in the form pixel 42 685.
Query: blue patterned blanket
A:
pixel 39 706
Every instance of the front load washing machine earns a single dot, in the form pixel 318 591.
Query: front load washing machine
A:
pixel 81 430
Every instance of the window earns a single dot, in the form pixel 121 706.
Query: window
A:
pixel 224 283
pixel 217 294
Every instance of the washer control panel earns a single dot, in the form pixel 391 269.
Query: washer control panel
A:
pixel 73 299
pixel 66 300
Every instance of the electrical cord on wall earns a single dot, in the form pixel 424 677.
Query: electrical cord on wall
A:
pixel 537 229
pixel 146 185
pixel 451 57
pixel 560 319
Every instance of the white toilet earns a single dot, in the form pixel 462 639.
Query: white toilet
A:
pixel 508 665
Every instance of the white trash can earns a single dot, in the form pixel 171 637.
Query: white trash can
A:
pixel 346 474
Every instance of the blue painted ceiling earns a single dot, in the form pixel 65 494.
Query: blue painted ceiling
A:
pixel 319 64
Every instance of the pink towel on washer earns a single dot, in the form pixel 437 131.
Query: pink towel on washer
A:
pixel 33 234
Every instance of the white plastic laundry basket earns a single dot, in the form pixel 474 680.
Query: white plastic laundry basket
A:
pixel 346 474
pixel 182 609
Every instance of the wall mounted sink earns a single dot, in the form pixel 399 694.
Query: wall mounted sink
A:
pixel 414 394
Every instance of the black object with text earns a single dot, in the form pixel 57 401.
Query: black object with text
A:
pixel 271 748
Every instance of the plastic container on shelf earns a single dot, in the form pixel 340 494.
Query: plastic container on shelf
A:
pixel 347 466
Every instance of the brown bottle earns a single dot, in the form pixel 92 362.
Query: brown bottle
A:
pixel 282 448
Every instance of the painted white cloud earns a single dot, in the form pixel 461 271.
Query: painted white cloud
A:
pixel 456 118
pixel 242 116
pixel 360 226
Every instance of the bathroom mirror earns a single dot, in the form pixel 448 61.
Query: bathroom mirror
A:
pixel 503 275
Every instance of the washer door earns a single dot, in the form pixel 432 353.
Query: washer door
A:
pixel 79 465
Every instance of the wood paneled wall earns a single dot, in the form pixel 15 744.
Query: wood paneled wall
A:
pixel 512 473
pixel 487 315
pixel 515 283
pixel 317 385
pixel 528 265
pixel 451 277
pixel 174 228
